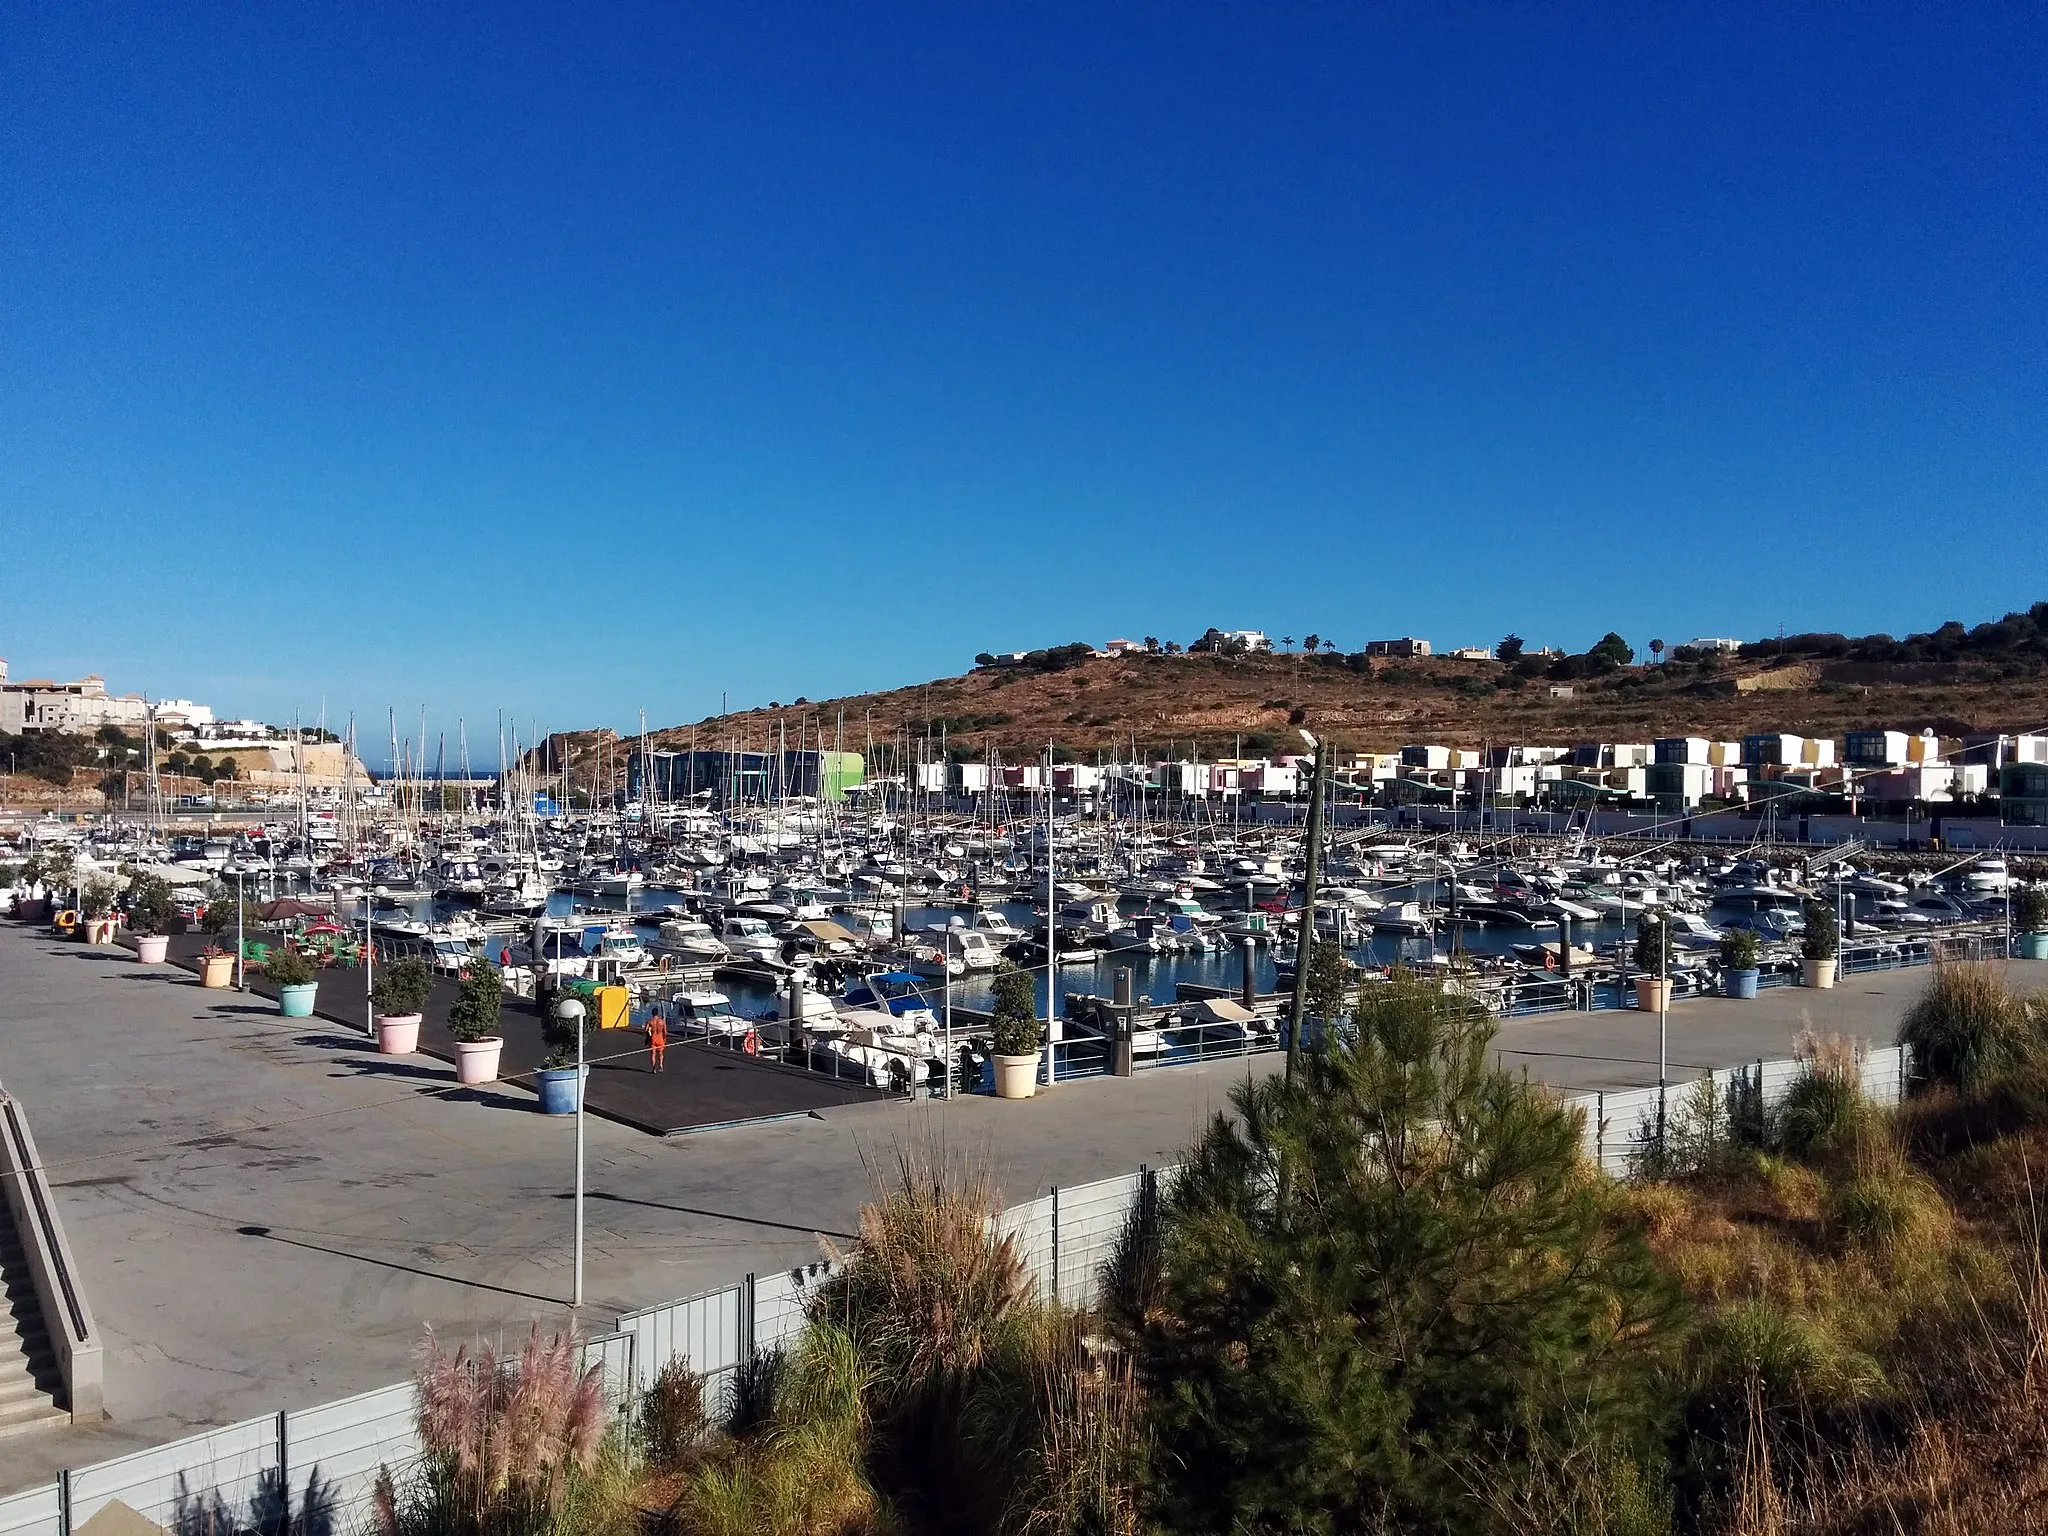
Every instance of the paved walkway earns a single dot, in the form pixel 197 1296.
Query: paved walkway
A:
pixel 268 1214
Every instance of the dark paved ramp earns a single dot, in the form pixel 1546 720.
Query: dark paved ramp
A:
pixel 701 1086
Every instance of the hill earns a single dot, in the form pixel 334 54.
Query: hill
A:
pixel 1213 703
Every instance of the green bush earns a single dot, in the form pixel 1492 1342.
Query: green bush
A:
pixel 1821 1113
pixel 150 911
pixel 1385 1278
pixel 289 967
pixel 1653 945
pixel 401 987
pixel 219 915
pixel 2031 912
pixel 97 899
pixel 1966 1028
pixel 1823 934
pixel 1015 1028
pixel 480 995
pixel 1787 1356
pixel 1739 950
pixel 1877 1211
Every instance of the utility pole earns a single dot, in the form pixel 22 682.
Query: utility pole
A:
pixel 1305 934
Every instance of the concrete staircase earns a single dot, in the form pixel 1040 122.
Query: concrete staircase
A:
pixel 30 1383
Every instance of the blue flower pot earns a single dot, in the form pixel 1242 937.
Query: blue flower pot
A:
pixel 297 1002
pixel 1738 983
pixel 560 1089
pixel 2032 946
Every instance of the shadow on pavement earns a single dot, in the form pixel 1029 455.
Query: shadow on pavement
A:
pixel 692 1210
pixel 408 1269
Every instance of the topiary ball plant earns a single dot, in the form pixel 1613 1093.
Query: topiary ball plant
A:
pixel 289 967
pixel 480 995
pixel 401 988
pixel 1739 950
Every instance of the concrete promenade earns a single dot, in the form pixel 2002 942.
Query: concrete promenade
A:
pixel 268 1213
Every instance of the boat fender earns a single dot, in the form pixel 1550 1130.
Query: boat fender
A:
pixel 667 963
pixel 751 1043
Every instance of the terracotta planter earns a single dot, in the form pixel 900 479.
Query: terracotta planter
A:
pixel 1017 1076
pixel 217 971
pixel 98 930
pixel 398 1034
pixel 152 948
pixel 1818 973
pixel 476 1061
pixel 1652 995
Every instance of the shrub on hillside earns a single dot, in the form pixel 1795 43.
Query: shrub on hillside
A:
pixel 1397 1247
pixel 1966 1028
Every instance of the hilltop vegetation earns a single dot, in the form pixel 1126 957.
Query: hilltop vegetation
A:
pixel 1217 700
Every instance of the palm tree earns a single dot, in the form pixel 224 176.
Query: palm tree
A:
pixel 1287 642
pixel 1310 644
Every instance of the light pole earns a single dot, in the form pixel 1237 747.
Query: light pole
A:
pixel 241 948
pixel 570 1011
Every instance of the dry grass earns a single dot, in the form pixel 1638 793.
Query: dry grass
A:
pixel 510 1442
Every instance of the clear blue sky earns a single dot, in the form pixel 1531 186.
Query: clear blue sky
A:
pixel 569 363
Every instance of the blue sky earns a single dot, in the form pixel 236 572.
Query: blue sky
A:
pixel 569 364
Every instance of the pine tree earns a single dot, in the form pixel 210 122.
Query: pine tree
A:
pixel 1388 1284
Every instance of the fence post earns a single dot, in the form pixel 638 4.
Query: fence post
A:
pixel 284 1459
pixel 747 1330
pixel 64 1502
pixel 1055 1242
pixel 1600 1131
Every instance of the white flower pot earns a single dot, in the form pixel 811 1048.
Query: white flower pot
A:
pixel 398 1034
pixel 152 948
pixel 476 1061
pixel 1017 1076
pixel 1818 973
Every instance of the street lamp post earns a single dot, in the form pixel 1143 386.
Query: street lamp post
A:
pixel 241 948
pixel 570 1011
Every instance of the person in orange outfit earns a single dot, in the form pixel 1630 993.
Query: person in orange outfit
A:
pixel 657 1039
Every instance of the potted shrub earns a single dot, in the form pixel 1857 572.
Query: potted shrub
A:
pixel 1818 949
pixel 1017 1034
pixel 473 1021
pixel 96 908
pixel 216 967
pixel 2031 914
pixel 293 972
pixel 559 1080
pixel 1738 963
pixel 398 996
pixel 1651 960
pixel 149 919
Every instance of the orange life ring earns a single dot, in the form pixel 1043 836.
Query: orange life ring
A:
pixel 66 920
pixel 750 1043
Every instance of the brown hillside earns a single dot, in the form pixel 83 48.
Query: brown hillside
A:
pixel 1212 705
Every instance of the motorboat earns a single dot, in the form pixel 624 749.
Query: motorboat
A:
pixel 689 940
pixel 1406 918
pixel 749 936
